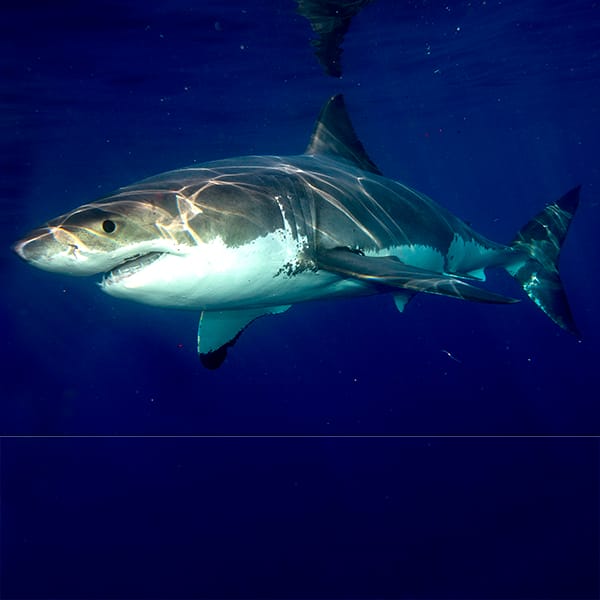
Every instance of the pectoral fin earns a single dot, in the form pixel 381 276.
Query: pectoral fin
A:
pixel 220 330
pixel 390 272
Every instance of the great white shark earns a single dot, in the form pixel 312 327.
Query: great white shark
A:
pixel 240 238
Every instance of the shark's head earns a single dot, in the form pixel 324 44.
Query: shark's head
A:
pixel 120 236
pixel 100 237
pixel 162 247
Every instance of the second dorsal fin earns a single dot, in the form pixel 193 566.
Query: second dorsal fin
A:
pixel 334 135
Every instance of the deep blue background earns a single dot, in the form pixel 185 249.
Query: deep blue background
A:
pixel 490 108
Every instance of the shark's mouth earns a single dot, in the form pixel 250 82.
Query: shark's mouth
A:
pixel 130 266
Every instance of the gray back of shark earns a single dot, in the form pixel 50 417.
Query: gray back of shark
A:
pixel 241 238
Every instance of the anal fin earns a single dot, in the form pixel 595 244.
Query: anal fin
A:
pixel 219 330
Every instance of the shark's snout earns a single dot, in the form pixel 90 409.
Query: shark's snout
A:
pixel 51 249
pixel 18 248
pixel 34 247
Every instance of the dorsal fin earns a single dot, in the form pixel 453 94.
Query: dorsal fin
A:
pixel 334 135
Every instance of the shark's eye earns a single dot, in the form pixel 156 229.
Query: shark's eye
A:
pixel 108 226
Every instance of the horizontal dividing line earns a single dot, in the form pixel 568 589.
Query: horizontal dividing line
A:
pixel 307 436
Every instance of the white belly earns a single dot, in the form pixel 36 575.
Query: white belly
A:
pixel 212 276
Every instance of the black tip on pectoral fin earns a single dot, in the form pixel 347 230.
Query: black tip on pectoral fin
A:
pixel 220 330
pixel 214 359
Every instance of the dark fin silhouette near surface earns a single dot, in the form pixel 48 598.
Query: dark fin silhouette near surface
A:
pixel 541 241
pixel 330 20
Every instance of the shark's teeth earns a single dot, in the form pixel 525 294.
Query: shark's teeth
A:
pixel 130 266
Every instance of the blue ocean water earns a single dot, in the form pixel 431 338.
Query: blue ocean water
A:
pixel 490 108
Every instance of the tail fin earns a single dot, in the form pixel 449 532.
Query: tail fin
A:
pixel 540 241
